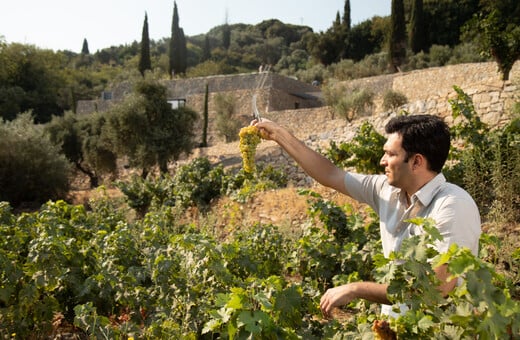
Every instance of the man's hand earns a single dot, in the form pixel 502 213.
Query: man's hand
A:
pixel 335 297
pixel 342 295
pixel 266 128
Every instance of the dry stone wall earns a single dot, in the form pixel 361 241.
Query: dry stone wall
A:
pixel 428 92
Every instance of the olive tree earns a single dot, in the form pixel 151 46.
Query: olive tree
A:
pixel 148 131
pixel 81 140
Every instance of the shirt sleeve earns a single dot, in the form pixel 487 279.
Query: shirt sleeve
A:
pixel 365 188
pixel 458 221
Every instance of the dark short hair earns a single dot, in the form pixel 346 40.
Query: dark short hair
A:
pixel 425 134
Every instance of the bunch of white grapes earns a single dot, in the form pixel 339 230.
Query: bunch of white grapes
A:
pixel 249 139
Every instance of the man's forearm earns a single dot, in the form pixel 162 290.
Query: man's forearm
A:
pixel 313 163
pixel 372 291
pixel 342 295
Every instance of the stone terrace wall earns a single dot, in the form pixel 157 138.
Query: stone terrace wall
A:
pixel 428 92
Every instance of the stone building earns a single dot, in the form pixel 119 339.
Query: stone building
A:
pixel 273 92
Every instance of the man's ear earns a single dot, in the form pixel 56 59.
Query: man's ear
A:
pixel 418 161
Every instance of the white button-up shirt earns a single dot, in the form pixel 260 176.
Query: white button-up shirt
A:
pixel 452 208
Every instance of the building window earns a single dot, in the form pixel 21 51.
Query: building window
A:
pixel 176 103
pixel 106 95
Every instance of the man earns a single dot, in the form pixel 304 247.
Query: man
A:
pixel 412 186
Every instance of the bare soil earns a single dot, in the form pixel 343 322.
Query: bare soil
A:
pixel 285 207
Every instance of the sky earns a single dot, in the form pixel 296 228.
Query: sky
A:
pixel 63 24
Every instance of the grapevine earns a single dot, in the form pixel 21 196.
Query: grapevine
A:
pixel 249 139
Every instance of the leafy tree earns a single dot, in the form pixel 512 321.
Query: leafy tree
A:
pixel 145 62
pixel 332 46
pixel 444 19
pixel 294 62
pixel 82 142
pixel 498 32
pixel 210 68
pixel 84 48
pixel 177 48
pixel 326 49
pixel 362 41
pixel 31 167
pixel 397 47
pixel 30 79
pixel 417 33
pixel 367 38
pixel 146 129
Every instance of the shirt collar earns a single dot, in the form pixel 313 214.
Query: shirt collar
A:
pixel 426 194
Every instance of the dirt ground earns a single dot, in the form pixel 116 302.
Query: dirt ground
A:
pixel 284 207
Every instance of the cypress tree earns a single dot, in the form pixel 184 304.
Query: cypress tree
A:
pixel 397 46
pixel 205 123
pixel 84 49
pixel 206 51
pixel 337 22
pixel 346 16
pixel 345 31
pixel 145 62
pixel 183 52
pixel 417 33
pixel 177 48
pixel 226 34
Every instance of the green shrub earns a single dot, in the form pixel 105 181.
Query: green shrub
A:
pixel 349 103
pixel 371 65
pixel 393 99
pixel 439 55
pixel 197 183
pixel 488 167
pixel 315 72
pixel 363 153
pixel 417 61
pixel 466 53
pixel 241 185
pixel 31 167
pixel 227 123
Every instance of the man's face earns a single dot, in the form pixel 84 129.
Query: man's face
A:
pixel 397 170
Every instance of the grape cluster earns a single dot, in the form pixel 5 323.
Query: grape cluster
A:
pixel 249 139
